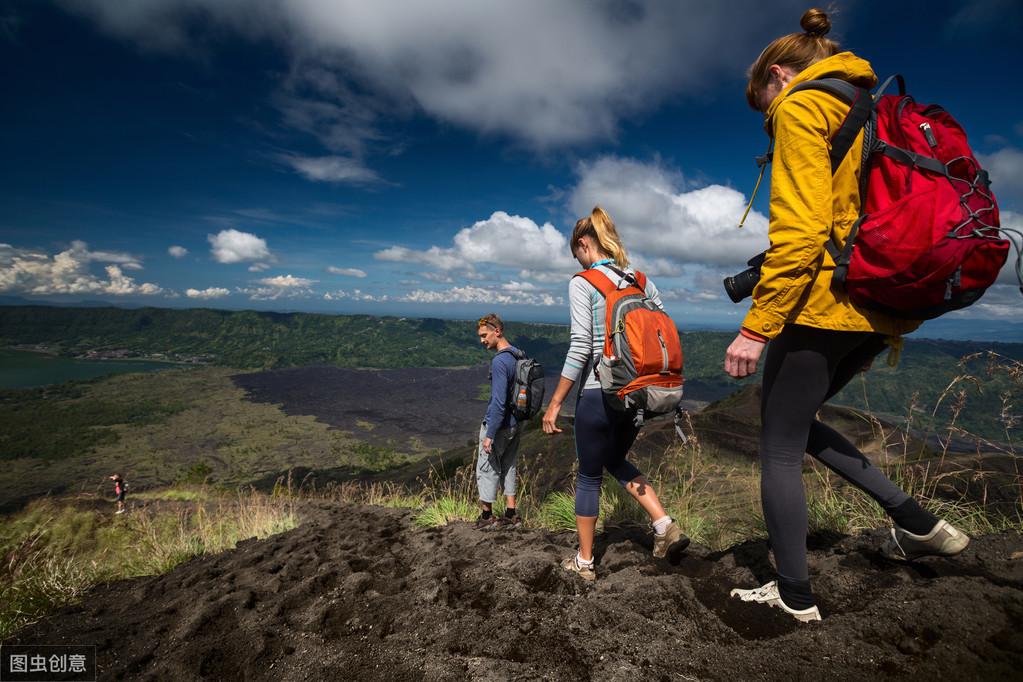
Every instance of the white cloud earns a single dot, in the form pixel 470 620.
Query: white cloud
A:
pixel 259 267
pixel 658 219
pixel 177 251
pixel 547 73
pixel 209 293
pixel 1006 170
pixel 338 169
pixel 502 239
pixel 34 272
pixel 232 246
pixel 346 272
pixel 471 294
pixel 1013 222
pixel 287 282
pixel 354 295
pixel 281 286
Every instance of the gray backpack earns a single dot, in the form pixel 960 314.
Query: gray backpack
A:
pixel 525 396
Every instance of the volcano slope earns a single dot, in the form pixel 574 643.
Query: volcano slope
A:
pixel 360 593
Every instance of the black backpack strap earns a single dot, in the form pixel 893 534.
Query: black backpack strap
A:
pixel 860 117
pixel 861 106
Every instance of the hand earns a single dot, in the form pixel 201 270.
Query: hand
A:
pixel 549 418
pixel 488 443
pixel 742 356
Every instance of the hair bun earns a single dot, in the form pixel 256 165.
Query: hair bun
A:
pixel 815 22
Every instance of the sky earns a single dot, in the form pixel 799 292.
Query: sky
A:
pixel 430 158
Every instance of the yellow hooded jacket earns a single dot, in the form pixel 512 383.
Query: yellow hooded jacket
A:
pixel 808 205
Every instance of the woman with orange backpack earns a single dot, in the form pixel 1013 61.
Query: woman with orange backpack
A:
pixel 604 431
pixel 816 338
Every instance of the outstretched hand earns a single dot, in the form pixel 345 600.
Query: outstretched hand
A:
pixel 742 356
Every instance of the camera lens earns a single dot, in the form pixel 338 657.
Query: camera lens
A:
pixel 741 285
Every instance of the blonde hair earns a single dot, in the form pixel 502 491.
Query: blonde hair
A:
pixel 599 226
pixel 795 50
pixel 491 320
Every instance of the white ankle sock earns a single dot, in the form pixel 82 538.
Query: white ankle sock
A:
pixel 661 525
pixel 583 562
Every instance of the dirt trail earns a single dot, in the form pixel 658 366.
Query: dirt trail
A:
pixel 360 593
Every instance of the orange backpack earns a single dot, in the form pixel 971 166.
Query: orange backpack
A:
pixel 640 369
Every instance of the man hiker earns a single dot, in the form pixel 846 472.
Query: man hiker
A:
pixel 119 489
pixel 499 433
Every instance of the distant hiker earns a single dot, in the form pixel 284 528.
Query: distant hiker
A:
pixel 603 431
pixel 499 433
pixel 120 487
pixel 816 339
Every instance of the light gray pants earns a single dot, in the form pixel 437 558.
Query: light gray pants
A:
pixel 497 470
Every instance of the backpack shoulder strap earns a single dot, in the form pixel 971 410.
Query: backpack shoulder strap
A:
pixel 861 106
pixel 599 280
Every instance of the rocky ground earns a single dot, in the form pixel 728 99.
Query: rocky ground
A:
pixel 361 593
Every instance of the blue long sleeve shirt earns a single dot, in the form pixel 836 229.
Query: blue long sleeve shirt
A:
pixel 502 375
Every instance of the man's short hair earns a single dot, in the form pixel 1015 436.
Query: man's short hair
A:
pixel 492 321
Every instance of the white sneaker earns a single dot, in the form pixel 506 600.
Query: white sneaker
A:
pixel 943 540
pixel 768 594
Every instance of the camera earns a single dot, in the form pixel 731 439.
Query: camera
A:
pixel 740 285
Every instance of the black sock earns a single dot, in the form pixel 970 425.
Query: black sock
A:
pixel 486 514
pixel 796 593
pixel 509 512
pixel 912 517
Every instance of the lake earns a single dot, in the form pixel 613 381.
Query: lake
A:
pixel 22 369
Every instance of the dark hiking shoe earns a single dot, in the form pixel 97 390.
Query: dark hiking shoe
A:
pixel 486 524
pixel 585 572
pixel 943 540
pixel 672 542
pixel 768 594
pixel 509 522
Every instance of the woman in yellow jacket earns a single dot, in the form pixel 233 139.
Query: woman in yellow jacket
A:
pixel 816 339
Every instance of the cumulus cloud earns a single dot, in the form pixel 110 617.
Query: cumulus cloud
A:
pixel 354 295
pixel 546 73
pixel 233 246
pixel 471 294
pixel 1006 169
pixel 35 272
pixel 287 282
pixel 177 251
pixel 282 286
pixel 209 293
pixel 259 267
pixel 347 272
pixel 338 169
pixel 502 239
pixel 659 219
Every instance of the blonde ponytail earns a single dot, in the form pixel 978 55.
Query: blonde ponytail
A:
pixel 600 227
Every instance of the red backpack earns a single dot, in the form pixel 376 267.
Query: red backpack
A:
pixel 928 239
pixel 640 368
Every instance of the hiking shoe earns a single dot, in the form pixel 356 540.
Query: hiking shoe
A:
pixel 673 541
pixel 510 522
pixel 486 524
pixel 768 594
pixel 585 572
pixel 943 540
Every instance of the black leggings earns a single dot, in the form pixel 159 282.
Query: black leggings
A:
pixel 603 437
pixel 804 368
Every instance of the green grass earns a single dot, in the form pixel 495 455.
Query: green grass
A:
pixel 55 550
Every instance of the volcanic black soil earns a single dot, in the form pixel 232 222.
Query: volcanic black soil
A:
pixel 360 593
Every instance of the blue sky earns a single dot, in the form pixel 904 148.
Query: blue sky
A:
pixel 427 158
